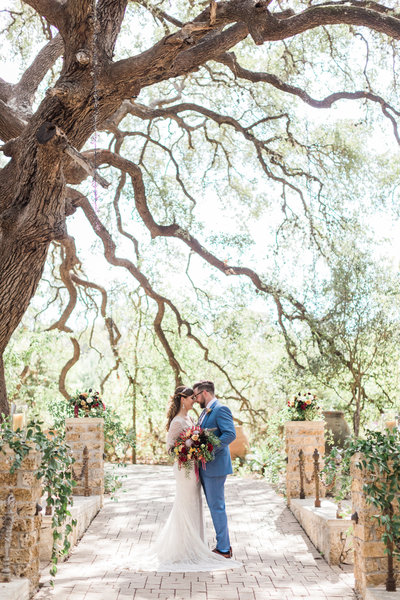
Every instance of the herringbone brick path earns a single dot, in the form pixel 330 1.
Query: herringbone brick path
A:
pixel 279 561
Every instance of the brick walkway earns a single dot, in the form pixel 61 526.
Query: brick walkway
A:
pixel 279 561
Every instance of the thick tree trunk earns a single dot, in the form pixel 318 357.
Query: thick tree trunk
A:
pixel 32 213
pixel 21 267
pixel 32 187
pixel 32 197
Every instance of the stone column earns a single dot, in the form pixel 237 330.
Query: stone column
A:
pixel 306 436
pixel 24 550
pixel 370 561
pixel 87 432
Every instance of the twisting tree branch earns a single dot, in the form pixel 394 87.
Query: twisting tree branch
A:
pixel 161 301
pixel 68 264
pixel 297 312
pixel 67 367
pixel 229 59
pixel 110 255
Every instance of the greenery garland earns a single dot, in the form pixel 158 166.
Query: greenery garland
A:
pixel 54 471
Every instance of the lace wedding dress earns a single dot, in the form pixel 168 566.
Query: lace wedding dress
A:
pixel 181 545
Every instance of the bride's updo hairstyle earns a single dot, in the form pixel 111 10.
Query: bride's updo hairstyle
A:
pixel 175 402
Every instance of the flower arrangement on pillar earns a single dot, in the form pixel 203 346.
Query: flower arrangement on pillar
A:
pixel 87 401
pixel 304 407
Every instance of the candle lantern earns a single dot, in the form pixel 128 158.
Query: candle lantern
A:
pixel 390 420
pixel 18 417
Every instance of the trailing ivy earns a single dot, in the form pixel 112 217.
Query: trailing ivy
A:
pixel 380 457
pixel 54 471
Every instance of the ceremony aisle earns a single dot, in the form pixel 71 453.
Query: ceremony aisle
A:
pixel 279 562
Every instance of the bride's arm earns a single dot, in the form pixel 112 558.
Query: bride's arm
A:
pixel 174 430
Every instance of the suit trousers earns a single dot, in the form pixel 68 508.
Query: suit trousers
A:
pixel 215 495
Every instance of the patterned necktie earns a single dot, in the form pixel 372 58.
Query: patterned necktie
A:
pixel 202 416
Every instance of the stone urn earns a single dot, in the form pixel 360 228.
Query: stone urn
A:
pixel 239 447
pixel 338 426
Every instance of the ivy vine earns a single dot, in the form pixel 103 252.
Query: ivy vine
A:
pixel 380 457
pixel 54 471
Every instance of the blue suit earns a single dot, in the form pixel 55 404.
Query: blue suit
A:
pixel 213 475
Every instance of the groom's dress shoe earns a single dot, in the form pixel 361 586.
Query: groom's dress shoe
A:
pixel 224 554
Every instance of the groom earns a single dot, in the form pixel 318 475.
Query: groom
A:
pixel 218 417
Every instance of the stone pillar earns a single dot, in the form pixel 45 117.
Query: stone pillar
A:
pixel 306 436
pixel 27 490
pixel 87 432
pixel 370 561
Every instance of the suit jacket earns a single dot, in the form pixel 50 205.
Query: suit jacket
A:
pixel 220 419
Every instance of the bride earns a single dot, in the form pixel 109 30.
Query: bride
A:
pixel 181 545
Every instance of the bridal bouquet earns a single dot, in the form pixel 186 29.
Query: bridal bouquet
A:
pixel 194 445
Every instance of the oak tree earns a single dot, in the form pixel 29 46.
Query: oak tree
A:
pixel 100 86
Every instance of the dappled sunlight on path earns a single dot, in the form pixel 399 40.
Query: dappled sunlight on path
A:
pixel 279 561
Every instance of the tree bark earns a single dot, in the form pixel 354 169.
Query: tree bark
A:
pixel 4 406
pixel 90 89
pixel 32 213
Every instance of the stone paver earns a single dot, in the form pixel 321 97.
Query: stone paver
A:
pixel 279 561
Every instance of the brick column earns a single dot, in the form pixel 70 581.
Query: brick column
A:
pixel 87 432
pixel 24 550
pixel 370 562
pixel 306 436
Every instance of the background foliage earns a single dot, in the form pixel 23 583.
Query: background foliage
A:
pixel 307 197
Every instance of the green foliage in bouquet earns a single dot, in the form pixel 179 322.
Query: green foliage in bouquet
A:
pixel 193 446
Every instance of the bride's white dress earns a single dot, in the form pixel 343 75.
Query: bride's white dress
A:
pixel 181 545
